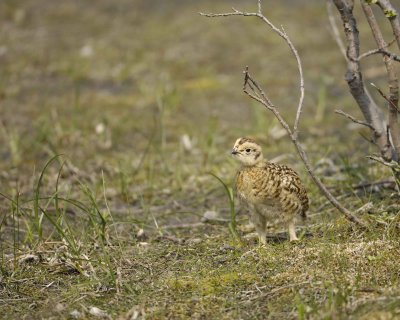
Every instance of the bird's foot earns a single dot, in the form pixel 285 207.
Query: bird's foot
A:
pixel 292 232
pixel 262 240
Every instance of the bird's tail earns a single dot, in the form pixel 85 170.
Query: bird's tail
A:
pixel 303 214
pixel 304 206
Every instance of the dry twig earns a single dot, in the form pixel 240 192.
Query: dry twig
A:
pixel 384 96
pixel 380 51
pixel 391 13
pixel 392 164
pixel 354 119
pixel 335 30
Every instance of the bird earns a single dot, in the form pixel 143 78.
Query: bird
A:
pixel 273 192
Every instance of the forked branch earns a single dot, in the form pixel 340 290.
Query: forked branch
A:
pixel 393 81
pixel 254 91
pixel 389 143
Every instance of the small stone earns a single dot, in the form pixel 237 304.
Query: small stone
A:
pixel 111 192
pixel 210 215
pixel 94 311
pixel 143 244
pixel 195 241
pixel 141 234
pixel 186 142
pixel 100 128
pixel 60 307
pixel 86 51
pixel 75 314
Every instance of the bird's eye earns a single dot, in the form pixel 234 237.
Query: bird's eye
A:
pixel 248 150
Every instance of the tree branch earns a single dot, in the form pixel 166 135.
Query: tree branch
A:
pixel 392 76
pixel 281 32
pixel 391 164
pixel 371 112
pixel 384 96
pixel 379 51
pixel 354 119
pixel 335 30
pixel 393 16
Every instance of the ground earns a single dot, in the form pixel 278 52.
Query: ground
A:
pixel 113 117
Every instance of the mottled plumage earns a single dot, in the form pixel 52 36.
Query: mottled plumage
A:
pixel 273 192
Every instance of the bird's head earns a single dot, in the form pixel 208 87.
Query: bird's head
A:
pixel 247 152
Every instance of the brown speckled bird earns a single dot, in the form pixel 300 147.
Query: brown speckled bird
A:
pixel 273 192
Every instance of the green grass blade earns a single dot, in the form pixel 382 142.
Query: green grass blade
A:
pixel 229 193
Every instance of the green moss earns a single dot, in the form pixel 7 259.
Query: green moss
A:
pixel 212 283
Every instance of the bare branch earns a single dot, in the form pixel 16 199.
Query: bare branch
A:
pixel 384 96
pixel 379 51
pixel 392 77
pixel 228 14
pixel 393 16
pixel 281 32
pixel 264 100
pixel 301 99
pixel 354 119
pixel 335 30
pixel 368 107
pixel 392 164
pixel 259 6
pixel 388 143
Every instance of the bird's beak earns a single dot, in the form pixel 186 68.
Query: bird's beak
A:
pixel 234 152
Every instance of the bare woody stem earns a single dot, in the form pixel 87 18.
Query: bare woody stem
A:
pixel 363 123
pixel 393 16
pixel 253 90
pixel 380 51
pixel 335 29
pixel 384 96
pixel 392 78
pixel 371 112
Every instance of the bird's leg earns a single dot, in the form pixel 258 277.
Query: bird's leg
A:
pixel 259 223
pixel 292 231
pixel 262 235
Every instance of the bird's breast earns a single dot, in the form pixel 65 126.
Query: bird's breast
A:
pixel 255 185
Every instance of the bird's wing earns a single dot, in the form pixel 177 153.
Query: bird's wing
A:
pixel 292 183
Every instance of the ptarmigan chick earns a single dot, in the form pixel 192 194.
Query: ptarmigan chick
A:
pixel 273 192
